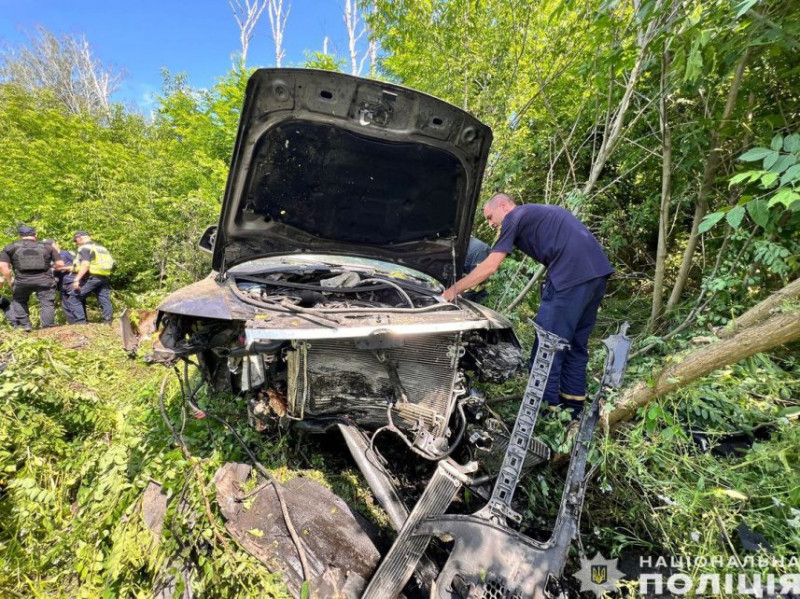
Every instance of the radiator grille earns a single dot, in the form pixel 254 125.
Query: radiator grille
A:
pixel 337 376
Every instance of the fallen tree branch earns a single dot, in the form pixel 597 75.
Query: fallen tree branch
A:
pixel 777 330
pixel 760 311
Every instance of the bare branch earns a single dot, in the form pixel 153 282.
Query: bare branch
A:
pixel 64 66
pixel 352 22
pixel 247 17
pixel 277 23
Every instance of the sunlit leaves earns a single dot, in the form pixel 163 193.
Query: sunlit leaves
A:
pixel 780 173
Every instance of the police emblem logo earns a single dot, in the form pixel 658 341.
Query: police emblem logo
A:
pixel 598 575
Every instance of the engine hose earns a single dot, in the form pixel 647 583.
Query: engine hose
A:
pixel 423 454
pixel 397 288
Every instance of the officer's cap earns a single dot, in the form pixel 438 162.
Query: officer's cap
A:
pixel 26 231
pixel 80 234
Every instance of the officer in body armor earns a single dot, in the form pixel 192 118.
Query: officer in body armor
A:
pixel 95 264
pixel 31 263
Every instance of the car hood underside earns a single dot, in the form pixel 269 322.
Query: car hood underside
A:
pixel 329 163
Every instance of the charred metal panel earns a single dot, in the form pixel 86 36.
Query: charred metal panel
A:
pixel 377 112
pixel 207 299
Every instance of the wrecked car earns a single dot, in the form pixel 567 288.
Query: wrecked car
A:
pixel 347 212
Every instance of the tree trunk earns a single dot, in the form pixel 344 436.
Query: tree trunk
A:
pixel 777 330
pixel 277 23
pixel 666 197
pixel 612 132
pixel 707 186
pixel 760 311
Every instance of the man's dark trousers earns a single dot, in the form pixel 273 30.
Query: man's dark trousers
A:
pixel 101 287
pixel 570 313
pixel 6 308
pixel 65 289
pixel 45 293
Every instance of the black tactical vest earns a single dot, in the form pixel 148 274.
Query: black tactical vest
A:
pixel 30 258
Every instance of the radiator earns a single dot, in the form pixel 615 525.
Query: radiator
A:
pixel 337 376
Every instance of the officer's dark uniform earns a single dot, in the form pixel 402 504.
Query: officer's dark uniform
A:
pixel 64 281
pixel 31 262
pixel 577 271
pixel 5 308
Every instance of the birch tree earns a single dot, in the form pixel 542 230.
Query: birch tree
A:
pixel 247 16
pixel 277 23
pixel 67 67
pixel 357 28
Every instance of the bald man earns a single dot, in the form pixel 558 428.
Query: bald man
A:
pixel 577 272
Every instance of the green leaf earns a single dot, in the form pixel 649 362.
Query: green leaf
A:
pixel 777 142
pixel 754 154
pixel 710 220
pixel 735 216
pixel 305 590
pixel 736 179
pixel 744 6
pixel 784 196
pixel 770 159
pixel 759 212
pixel 769 179
pixel 792 142
pixel 783 163
pixel 790 411
pixel 256 532
pixel 791 175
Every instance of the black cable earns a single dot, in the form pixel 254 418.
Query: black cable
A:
pixel 265 473
pixel 432 458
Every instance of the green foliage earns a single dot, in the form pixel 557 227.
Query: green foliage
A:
pixel 81 437
pixel 145 189
pixel 325 62
pixel 778 181
pixel 657 490
pixel 676 496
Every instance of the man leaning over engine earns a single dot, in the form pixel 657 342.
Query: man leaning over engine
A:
pixel 577 272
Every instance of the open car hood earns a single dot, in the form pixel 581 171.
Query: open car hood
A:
pixel 329 163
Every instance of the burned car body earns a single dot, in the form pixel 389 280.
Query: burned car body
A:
pixel 347 210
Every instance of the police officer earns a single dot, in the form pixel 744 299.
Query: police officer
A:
pixel 31 263
pixel 65 277
pixel 95 264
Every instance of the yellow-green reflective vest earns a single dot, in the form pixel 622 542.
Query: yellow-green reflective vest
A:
pixel 102 262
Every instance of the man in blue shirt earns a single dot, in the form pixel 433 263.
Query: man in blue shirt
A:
pixel 65 277
pixel 577 272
